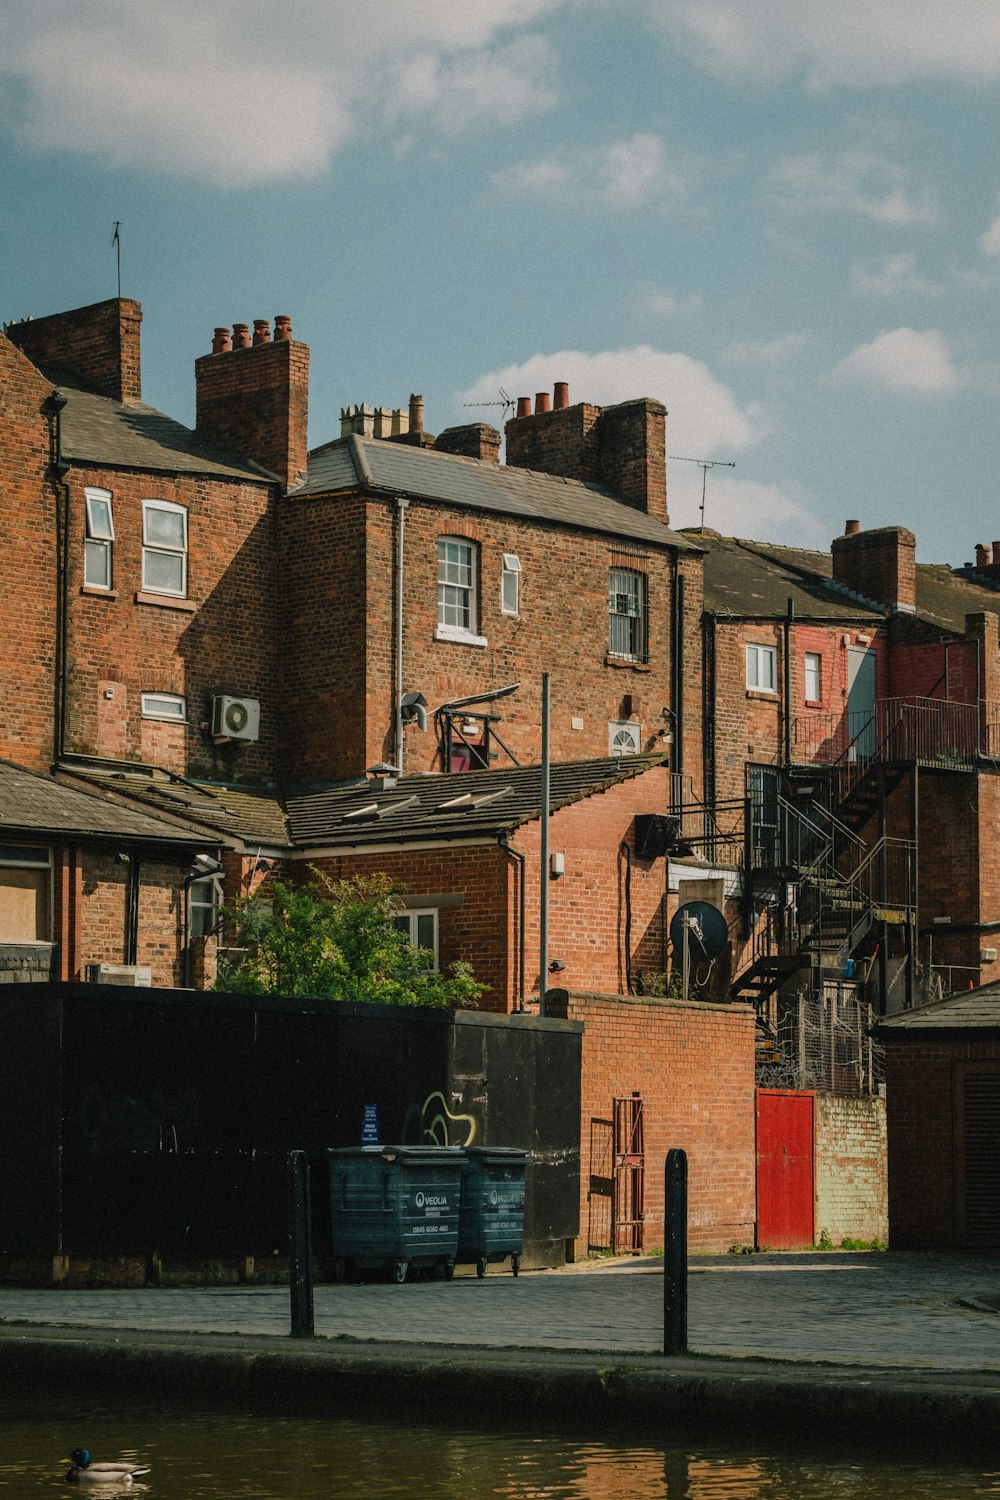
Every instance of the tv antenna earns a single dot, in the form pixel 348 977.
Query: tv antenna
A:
pixel 507 402
pixel 704 464
pixel 116 241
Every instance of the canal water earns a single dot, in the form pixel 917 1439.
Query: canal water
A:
pixel 216 1455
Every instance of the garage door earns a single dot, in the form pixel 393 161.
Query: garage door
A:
pixel 977 1138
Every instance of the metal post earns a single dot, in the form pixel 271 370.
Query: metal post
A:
pixel 675 1292
pixel 300 1282
pixel 543 894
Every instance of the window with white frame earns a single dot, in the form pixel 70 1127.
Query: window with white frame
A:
pixel 627 614
pixel 762 673
pixel 623 737
pixel 421 928
pixel 814 677
pixel 203 905
pixel 164 548
pixel 25 881
pixel 457 594
pixel 510 584
pixel 98 539
pixel 168 706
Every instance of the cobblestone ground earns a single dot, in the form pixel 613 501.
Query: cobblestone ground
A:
pixel 932 1312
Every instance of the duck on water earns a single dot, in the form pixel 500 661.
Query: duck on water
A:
pixel 83 1470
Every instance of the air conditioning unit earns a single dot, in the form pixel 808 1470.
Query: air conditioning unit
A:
pixel 235 718
pixel 138 976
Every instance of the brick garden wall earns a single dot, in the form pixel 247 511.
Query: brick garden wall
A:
pixel 693 1067
pixel 850 1168
pixel 161 916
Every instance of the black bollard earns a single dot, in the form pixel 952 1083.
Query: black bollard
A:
pixel 675 1283
pixel 300 1281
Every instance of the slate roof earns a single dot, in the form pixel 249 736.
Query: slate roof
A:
pixel 475 804
pixel 748 578
pixel 42 807
pixel 975 1010
pixel 247 815
pixel 356 463
pixel 98 430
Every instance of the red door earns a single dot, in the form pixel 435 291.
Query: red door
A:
pixel 785 1177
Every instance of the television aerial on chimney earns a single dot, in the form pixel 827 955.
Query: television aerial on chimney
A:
pixel 705 464
pixel 507 402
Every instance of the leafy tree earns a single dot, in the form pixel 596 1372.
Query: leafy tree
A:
pixel 336 940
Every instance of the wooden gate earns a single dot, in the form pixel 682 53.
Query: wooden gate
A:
pixel 628 1198
pixel 785 1170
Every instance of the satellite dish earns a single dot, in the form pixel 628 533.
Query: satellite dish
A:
pixel 704 927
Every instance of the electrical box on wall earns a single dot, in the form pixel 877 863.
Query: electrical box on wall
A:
pixel 235 718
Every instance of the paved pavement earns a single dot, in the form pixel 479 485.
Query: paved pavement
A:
pixel 895 1311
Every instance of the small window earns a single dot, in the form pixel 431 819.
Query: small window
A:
pixel 421 929
pixel 510 584
pixel 24 894
pixel 814 677
pixel 623 737
pixel 762 668
pixel 457 597
pixel 203 905
pixel 100 535
pixel 627 614
pixel 164 548
pixel 164 706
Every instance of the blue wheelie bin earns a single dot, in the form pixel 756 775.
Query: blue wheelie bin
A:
pixel 491 1218
pixel 393 1207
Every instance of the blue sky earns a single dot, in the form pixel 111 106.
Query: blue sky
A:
pixel 780 217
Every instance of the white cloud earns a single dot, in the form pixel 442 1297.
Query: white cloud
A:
pixel 853 43
pixel 891 276
pixel 915 361
pixel 855 182
pixel 622 175
pixel 989 241
pixel 663 303
pixel 744 507
pixel 774 352
pixel 704 416
pixel 236 93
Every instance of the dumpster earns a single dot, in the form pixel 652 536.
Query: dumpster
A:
pixel 393 1207
pixel 491 1215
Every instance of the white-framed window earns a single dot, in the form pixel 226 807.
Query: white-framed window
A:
pixel 421 928
pixel 762 668
pixel 814 677
pixel 458 602
pixel 627 614
pixel 164 548
pixel 25 884
pixel 623 737
pixel 98 539
pixel 204 900
pixel 167 706
pixel 510 584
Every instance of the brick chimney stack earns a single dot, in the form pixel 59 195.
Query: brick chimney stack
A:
pixel 253 396
pixel 98 344
pixel 880 565
pixel 620 447
pixel 477 440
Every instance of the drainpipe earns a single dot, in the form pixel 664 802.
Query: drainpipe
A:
pixel 789 617
pixel 543 893
pixel 677 686
pixel 520 861
pixel 54 407
pixel 401 508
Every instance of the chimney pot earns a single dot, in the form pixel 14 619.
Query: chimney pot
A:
pixel 543 402
pixel 416 413
pixel 282 327
pixel 996 552
pixel 982 556
pixel 852 528
pixel 221 343
pixel 241 336
pixel 524 406
pixel 560 399
pixel 261 331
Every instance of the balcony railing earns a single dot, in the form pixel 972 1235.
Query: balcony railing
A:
pixel 929 730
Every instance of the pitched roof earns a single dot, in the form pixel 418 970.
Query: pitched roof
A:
pixel 976 1010
pixel 97 430
pixel 476 804
pixel 356 463
pixel 235 812
pixel 42 807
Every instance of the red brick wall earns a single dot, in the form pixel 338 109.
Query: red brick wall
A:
pixel 850 1163
pixel 620 447
pixel 28 522
pixel 880 564
pixel 693 1067
pixel 220 639
pixel 254 402
pixel 939 669
pixel 161 916
pixel 99 344
pixel 920 1117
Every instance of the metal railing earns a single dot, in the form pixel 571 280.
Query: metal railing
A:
pixel 901 729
